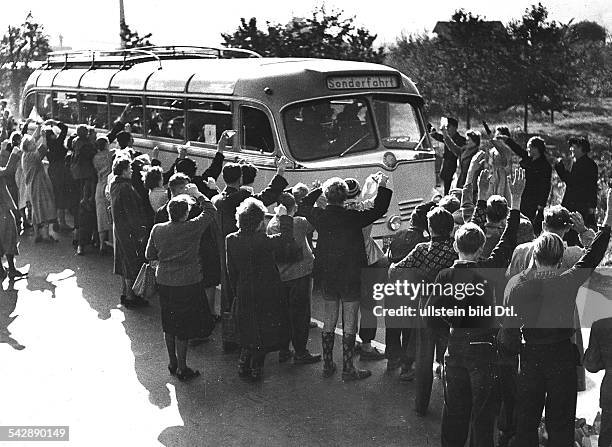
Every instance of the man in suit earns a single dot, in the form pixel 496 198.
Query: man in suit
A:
pixel 449 159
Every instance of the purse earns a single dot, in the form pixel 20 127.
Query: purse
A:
pixel 145 285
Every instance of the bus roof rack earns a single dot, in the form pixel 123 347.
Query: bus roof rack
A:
pixel 125 58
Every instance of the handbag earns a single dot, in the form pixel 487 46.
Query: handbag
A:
pixel 145 285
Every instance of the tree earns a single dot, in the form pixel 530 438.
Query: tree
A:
pixel 19 47
pixel 461 70
pixel 544 73
pixel 323 35
pixel 131 39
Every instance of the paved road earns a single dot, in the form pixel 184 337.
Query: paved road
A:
pixel 69 355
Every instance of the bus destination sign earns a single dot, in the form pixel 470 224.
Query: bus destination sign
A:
pixel 362 82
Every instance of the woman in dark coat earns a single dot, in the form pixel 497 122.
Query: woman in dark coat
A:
pixel 129 229
pixel 58 172
pixel 256 285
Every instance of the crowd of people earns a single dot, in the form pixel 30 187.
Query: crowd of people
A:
pixel 492 226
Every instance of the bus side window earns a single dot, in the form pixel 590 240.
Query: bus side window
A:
pixel 166 118
pixel 256 130
pixel 134 118
pixel 207 120
pixel 28 105
pixel 43 105
pixel 66 108
pixel 94 110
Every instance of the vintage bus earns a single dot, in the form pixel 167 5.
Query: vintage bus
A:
pixel 331 118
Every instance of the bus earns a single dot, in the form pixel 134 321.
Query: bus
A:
pixel 329 117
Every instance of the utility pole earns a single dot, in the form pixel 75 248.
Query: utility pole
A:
pixel 121 23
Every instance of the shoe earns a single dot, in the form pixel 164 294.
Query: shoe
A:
pixel 372 355
pixel 306 359
pixel 80 250
pixel 55 227
pixel 313 325
pixel 256 374
pixel 135 302
pixel 349 372
pixel 14 274
pixel 284 356
pixel 244 363
pixel 407 375
pixel 172 369
pixel 63 228
pixel 329 370
pixel 393 363
pixel 187 374
pixel 356 374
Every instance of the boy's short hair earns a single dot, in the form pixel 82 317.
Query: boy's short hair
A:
pixel 582 142
pixel 450 203
pixel 452 121
pixel 469 238
pixel 249 172
pixel 557 218
pixel 287 200
pixel 497 208
pixel 440 221
pixel 123 139
pixel 82 130
pixel 299 191
pixel 231 173
pixel 335 190
pixel 548 249
pixel 537 143
pixel 249 214
pixel 187 166
pixel 177 207
pixel 177 182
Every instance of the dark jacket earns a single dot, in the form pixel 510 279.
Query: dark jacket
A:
pixel 209 253
pixel 230 198
pixel 404 241
pixel 466 331
pixel 340 252
pixel 598 357
pixel 56 150
pixel 545 303
pixel 129 228
pixel 449 159
pixel 81 164
pixel 538 176
pixel 255 283
pixel 581 184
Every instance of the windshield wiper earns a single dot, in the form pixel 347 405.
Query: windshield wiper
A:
pixel 354 144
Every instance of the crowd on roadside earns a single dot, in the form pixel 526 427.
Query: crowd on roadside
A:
pixel 493 216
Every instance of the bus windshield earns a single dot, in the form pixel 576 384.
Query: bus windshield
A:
pixel 333 127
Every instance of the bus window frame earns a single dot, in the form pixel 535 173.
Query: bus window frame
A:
pixel 271 121
pixel 145 106
pixel 109 118
pixel 76 92
pixel 112 118
pixel 232 113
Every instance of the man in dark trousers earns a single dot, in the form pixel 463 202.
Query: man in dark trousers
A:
pixel 449 159
pixel 580 176
pixel 538 176
pixel 226 203
pixel 470 389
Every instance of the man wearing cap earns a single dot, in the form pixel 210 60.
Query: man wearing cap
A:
pixel 580 177
pixel 449 159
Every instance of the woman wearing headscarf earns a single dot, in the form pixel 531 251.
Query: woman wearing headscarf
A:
pixel 256 284
pixel 39 189
pixel 58 172
pixel 129 230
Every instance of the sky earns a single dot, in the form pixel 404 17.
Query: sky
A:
pixel 200 22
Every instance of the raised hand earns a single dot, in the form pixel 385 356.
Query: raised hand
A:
pixel 577 222
pixel 282 164
pixel 517 183
pixel 155 153
pixel 280 210
pixel 484 179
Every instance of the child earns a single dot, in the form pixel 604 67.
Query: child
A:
pixel 598 356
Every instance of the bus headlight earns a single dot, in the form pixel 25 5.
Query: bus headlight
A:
pixel 389 160
pixel 394 223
